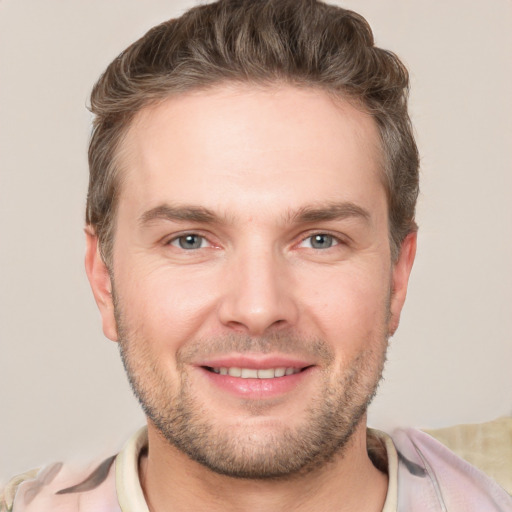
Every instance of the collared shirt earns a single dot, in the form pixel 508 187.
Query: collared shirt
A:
pixel 424 475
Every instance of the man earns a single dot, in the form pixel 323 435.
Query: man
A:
pixel 250 235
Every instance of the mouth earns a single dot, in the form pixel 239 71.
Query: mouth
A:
pixel 257 378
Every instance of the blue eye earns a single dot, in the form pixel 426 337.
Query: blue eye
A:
pixel 189 242
pixel 320 241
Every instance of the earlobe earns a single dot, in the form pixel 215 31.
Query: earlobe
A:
pixel 101 285
pixel 400 279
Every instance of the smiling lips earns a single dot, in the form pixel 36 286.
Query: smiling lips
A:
pixel 256 378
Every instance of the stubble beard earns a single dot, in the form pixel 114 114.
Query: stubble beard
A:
pixel 241 450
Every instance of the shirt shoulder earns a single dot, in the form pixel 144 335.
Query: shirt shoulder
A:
pixel 60 487
pixel 488 446
pixel 431 476
pixel 110 485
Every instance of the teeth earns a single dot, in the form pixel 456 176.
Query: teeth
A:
pixel 252 373
pixel 235 372
pixel 280 372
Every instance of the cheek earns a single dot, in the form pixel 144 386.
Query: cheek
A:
pixel 349 306
pixel 166 305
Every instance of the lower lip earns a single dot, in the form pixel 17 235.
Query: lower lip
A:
pixel 257 388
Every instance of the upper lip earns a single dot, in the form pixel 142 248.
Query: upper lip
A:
pixel 257 362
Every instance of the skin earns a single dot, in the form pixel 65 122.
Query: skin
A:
pixel 257 162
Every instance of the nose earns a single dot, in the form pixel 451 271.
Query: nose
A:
pixel 259 294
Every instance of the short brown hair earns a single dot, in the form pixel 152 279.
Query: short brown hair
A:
pixel 301 42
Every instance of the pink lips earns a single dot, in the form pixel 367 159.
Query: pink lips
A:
pixel 255 388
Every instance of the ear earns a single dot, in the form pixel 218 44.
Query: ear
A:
pixel 400 278
pixel 99 279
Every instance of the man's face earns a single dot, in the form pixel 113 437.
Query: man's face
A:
pixel 252 280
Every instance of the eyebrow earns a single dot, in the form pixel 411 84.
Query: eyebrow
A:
pixel 179 213
pixel 331 211
pixel 304 215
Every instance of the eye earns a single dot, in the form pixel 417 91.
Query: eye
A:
pixel 189 242
pixel 320 241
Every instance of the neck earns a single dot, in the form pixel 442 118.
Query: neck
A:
pixel 348 482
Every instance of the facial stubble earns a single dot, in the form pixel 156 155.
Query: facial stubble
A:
pixel 249 449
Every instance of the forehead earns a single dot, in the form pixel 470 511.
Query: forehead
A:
pixel 237 146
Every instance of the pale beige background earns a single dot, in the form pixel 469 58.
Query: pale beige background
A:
pixel 62 390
